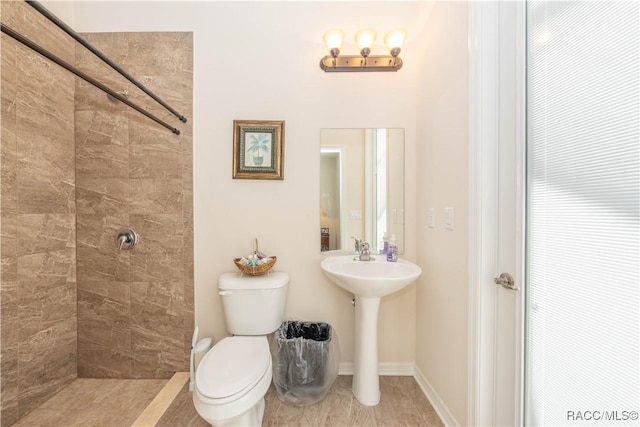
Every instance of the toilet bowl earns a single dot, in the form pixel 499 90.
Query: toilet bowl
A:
pixel 231 382
pixel 233 377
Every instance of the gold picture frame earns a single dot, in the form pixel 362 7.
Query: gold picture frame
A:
pixel 258 149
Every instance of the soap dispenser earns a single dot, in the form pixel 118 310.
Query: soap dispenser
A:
pixel 385 243
pixel 392 250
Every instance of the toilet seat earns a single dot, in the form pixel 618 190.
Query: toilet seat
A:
pixel 232 368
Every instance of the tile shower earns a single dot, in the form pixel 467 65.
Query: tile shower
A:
pixel 76 167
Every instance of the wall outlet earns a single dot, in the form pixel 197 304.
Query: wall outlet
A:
pixel 431 218
pixel 448 218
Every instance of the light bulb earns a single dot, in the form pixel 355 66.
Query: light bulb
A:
pixel 333 40
pixel 394 40
pixel 365 39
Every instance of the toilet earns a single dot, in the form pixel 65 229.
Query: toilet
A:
pixel 233 377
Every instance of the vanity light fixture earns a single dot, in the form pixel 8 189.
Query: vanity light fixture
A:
pixel 365 62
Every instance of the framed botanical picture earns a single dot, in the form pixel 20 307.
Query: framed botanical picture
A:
pixel 258 149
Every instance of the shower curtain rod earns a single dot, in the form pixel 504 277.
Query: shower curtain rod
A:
pixel 51 17
pixel 30 44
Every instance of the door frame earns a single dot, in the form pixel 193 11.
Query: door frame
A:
pixel 490 25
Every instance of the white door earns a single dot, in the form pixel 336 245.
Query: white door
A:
pixel 583 293
pixel 582 287
pixel 497 132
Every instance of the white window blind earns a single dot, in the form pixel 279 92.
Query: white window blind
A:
pixel 583 298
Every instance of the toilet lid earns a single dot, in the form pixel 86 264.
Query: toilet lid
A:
pixel 233 366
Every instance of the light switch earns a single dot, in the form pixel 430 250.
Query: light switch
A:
pixel 355 214
pixel 448 218
pixel 431 218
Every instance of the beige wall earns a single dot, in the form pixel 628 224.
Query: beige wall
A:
pixel 38 248
pixel 259 60
pixel 442 156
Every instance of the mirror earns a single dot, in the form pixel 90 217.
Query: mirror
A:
pixel 361 187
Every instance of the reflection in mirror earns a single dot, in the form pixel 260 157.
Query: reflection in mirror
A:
pixel 361 187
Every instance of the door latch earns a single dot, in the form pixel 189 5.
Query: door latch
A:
pixel 506 281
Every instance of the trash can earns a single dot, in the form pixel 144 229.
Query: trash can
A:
pixel 306 357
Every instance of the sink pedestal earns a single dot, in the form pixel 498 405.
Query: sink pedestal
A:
pixel 368 281
pixel 366 383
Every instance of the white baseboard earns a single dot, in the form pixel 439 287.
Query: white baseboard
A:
pixel 395 369
pixel 441 409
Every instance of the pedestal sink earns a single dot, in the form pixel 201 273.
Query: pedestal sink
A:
pixel 369 281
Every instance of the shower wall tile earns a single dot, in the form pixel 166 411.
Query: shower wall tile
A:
pixel 37 155
pixel 165 265
pixel 47 316
pixel 9 243
pixel 110 363
pixel 9 337
pixel 146 364
pixel 53 340
pixel 113 45
pixel 103 196
pixel 105 310
pixel 47 358
pixel 9 306
pixel 161 232
pixel 10 383
pixel 45 100
pixel 8 147
pixel 102 265
pixel 90 98
pixel 99 127
pixel 99 231
pixel 165 53
pixel 7 11
pixel 98 257
pixel 39 383
pixel 144 131
pixel 156 196
pixel 101 162
pixel 135 308
pixel 9 273
pixel 45 136
pixel 24 19
pixel 46 270
pixel 38 233
pixel 154 364
pixel 156 315
pixel 8 160
pixel 155 161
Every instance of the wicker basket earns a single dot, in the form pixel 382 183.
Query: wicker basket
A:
pixel 255 270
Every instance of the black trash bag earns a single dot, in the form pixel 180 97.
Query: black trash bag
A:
pixel 306 358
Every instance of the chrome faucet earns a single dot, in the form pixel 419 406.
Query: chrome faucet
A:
pixel 363 250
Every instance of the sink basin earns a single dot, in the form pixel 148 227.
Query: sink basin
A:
pixel 369 281
pixel 370 278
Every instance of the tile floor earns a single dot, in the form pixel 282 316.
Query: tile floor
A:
pixel 95 403
pixel 119 403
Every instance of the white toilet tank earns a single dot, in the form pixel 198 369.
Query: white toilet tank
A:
pixel 253 305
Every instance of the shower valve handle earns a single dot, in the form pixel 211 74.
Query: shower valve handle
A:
pixel 126 238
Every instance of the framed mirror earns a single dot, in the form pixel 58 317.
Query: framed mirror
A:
pixel 361 187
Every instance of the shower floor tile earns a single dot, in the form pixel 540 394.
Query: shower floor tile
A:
pixel 96 403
